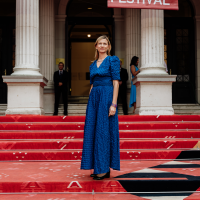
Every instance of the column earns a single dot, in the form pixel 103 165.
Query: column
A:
pixel 27 37
pixel 25 85
pixel 47 40
pixel 152 35
pixel 119 35
pixel 153 84
pixel 133 36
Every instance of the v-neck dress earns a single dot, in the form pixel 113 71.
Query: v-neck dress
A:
pixel 101 132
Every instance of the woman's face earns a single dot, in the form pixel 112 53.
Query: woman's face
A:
pixel 102 46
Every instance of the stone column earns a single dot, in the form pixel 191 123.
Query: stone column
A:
pixel 47 51
pixel 25 85
pixel 27 37
pixel 47 39
pixel 152 33
pixel 119 35
pixel 133 37
pixel 153 84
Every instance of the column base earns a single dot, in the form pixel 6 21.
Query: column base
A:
pixel 154 111
pixel 49 99
pixel 25 111
pixel 154 94
pixel 25 94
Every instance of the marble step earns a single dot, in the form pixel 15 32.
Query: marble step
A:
pixel 80 108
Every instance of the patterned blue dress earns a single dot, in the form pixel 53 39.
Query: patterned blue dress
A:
pixel 101 133
pixel 133 91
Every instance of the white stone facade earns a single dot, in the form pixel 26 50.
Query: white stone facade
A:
pixel 41 38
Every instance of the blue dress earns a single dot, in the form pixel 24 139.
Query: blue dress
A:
pixel 101 133
pixel 133 91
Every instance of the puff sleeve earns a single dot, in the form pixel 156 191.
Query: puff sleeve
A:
pixel 115 67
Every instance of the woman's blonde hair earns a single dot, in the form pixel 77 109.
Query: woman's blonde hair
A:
pixel 109 44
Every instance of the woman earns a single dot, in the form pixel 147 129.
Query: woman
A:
pixel 134 72
pixel 101 132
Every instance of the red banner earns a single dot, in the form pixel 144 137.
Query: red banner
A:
pixel 144 4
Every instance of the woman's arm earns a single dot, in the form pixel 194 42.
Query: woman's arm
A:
pixel 91 88
pixel 112 110
pixel 133 71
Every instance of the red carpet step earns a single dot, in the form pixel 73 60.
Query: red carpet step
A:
pixel 80 125
pixel 72 144
pixel 62 134
pixel 130 118
pixel 40 158
pixel 66 177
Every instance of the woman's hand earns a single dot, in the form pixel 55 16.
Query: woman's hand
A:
pixel 112 111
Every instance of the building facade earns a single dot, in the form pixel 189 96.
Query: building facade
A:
pixel 37 34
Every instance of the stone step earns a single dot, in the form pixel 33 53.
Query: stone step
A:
pixel 80 108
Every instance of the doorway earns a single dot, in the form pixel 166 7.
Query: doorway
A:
pixel 180 52
pixel 86 21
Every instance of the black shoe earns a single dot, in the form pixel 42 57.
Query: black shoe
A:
pixel 54 114
pixel 93 175
pixel 107 175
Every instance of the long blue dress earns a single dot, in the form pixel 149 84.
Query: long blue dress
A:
pixel 133 91
pixel 101 132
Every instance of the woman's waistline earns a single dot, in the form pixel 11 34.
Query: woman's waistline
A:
pixel 102 84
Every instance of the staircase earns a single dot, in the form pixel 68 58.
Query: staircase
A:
pixel 187 109
pixel 40 159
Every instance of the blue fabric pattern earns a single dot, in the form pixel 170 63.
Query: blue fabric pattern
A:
pixel 133 91
pixel 101 133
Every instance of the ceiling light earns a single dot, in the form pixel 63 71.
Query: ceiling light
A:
pixel 88 35
pixel 89 8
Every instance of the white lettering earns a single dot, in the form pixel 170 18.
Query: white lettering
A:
pixel 130 1
pixel 166 4
pixel 111 0
pixel 159 1
pixel 143 1
pixel 138 1
pixel 149 1
pixel 120 1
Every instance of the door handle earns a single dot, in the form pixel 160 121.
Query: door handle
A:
pixel 5 72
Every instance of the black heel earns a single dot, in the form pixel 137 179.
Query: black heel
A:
pixel 93 175
pixel 107 175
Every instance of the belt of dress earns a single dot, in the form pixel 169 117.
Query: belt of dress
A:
pixel 96 84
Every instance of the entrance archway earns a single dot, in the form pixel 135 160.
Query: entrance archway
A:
pixel 86 20
pixel 180 51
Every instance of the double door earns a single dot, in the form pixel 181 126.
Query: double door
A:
pixel 180 58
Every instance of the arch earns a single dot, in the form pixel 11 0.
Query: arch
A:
pixel 64 3
pixel 186 9
pixel 62 7
pixel 193 3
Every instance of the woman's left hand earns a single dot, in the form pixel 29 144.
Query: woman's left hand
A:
pixel 112 111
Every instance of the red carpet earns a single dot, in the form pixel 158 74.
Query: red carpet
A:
pixel 40 155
